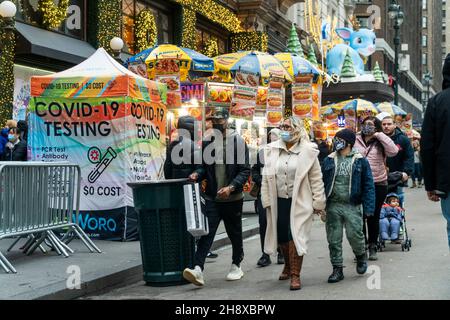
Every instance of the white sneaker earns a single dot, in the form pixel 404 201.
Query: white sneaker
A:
pixel 235 273
pixel 194 276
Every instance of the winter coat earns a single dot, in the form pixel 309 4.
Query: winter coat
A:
pixel 18 153
pixel 404 160
pixel 3 140
pixel 308 194
pixel 187 166
pixel 391 212
pixel 435 142
pixel 237 171
pixel 362 188
pixel 175 168
pixel 376 152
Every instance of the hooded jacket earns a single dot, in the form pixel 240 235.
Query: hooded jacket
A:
pixel 186 164
pixel 404 160
pixel 435 142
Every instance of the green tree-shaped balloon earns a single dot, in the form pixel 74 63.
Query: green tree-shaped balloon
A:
pixel 348 70
pixel 377 73
pixel 293 43
pixel 312 55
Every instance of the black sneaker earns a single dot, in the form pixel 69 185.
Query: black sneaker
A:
pixel 212 255
pixel 264 261
pixel 361 264
pixel 337 275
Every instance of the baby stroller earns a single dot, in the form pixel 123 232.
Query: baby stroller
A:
pixel 395 180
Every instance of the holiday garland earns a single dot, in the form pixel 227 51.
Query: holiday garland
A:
pixel 8 41
pixel 211 49
pixel 248 41
pixel 189 30
pixel 108 18
pixel 215 13
pixel 52 15
pixel 146 32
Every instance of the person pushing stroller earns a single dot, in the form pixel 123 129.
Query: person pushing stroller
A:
pixel 391 218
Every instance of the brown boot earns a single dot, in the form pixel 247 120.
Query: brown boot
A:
pixel 286 273
pixel 296 262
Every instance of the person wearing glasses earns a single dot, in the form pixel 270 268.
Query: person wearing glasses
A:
pixel 292 191
pixel 348 184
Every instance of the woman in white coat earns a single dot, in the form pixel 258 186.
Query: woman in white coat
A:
pixel 292 191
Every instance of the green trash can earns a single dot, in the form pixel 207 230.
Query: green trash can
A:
pixel 167 248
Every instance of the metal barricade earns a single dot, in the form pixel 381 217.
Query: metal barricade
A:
pixel 37 198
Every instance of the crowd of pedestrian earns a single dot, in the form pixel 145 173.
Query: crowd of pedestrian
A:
pixel 356 185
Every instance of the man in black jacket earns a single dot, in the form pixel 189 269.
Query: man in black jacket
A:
pixel 435 146
pixel 226 168
pixel 15 148
pixel 404 160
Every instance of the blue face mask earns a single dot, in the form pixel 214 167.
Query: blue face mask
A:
pixel 339 145
pixel 11 137
pixel 286 136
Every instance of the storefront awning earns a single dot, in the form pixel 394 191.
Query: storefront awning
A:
pixel 36 41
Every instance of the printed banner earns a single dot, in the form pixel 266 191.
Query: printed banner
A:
pixel 139 69
pixel 244 95
pixel 219 95
pixel 275 102
pixel 302 97
pixel 113 140
pixel 191 91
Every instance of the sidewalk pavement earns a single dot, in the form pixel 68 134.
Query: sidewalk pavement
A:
pixel 44 276
pixel 422 273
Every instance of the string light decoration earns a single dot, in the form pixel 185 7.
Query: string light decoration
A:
pixel 108 16
pixel 52 15
pixel 247 41
pixel 211 48
pixel 146 33
pixel 215 13
pixel 8 43
pixel 189 21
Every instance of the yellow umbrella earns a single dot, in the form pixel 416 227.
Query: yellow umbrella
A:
pixel 262 63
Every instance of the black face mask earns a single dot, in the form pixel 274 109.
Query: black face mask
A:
pixel 218 126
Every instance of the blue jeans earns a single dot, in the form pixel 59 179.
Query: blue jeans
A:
pixel 445 204
pixel 401 194
pixel 389 228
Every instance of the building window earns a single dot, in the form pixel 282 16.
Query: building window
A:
pixel 424 41
pixel 424 22
pixel 74 25
pixel 424 58
pixel 207 31
pixel 131 9
pixel 424 4
pixel 364 22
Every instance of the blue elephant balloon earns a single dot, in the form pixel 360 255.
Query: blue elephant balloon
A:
pixel 361 43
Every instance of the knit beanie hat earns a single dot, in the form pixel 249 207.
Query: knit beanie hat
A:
pixel 347 135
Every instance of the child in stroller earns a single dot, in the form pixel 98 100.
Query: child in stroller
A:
pixel 391 218
pixel 393 223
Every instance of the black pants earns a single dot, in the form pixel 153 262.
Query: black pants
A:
pixel 262 220
pixel 231 214
pixel 284 220
pixel 373 222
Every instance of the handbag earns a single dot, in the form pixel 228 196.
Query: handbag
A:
pixel 196 221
